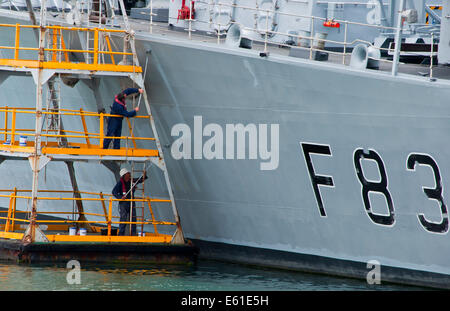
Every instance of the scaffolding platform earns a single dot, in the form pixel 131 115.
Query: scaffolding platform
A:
pixel 53 147
pixel 100 242
pixel 68 67
pixel 77 152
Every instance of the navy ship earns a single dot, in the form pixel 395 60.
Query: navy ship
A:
pixel 303 135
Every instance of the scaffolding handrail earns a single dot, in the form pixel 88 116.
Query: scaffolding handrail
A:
pixel 141 199
pixel 57 48
pixel 85 133
pixel 79 192
pixel 267 31
pixel 13 196
pixel 52 111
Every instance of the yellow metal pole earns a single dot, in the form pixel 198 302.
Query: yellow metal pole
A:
pixel 142 219
pixel 103 205
pixel 109 217
pixel 13 126
pixel 9 212
pixel 16 47
pixel 14 209
pixel 153 217
pixel 131 133
pixel 108 42
pixel 63 45
pixel 55 44
pixel 83 121
pixel 101 130
pixel 6 123
pixel 96 46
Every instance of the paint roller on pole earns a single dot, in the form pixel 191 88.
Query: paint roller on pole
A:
pixel 145 73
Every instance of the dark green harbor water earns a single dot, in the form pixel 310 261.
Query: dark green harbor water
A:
pixel 205 276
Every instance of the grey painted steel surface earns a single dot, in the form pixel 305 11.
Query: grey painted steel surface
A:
pixel 233 202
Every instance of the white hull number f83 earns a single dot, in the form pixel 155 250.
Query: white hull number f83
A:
pixel 380 186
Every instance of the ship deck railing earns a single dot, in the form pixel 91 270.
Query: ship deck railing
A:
pixel 85 141
pixel 306 41
pixel 56 223
pixel 99 55
pixel 310 43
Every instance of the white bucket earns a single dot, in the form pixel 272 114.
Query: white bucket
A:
pixel 22 141
pixel 7 142
pixel 83 231
pixel 72 231
pixel 319 42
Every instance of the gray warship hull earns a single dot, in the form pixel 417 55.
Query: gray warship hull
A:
pixel 357 150
pixel 233 202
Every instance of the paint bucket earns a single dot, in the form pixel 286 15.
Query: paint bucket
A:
pixel 72 231
pixel 141 233
pixel 83 231
pixel 22 141
pixel 7 142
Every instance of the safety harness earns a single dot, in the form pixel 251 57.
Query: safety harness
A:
pixel 124 188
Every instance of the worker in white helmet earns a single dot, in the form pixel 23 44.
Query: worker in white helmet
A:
pixel 122 192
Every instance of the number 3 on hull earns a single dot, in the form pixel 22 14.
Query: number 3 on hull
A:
pixel 432 194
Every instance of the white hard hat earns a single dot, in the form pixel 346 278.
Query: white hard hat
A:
pixel 123 172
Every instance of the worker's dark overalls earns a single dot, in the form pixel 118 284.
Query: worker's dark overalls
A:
pixel 119 190
pixel 115 123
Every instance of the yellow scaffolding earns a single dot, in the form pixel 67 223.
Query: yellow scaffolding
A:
pixel 52 56
pixel 13 222
pixel 59 57
pixel 10 133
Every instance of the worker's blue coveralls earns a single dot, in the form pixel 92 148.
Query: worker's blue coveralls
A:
pixel 119 190
pixel 115 123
